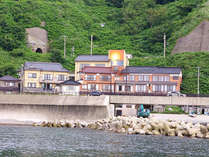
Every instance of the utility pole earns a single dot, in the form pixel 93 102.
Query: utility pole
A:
pixel 64 46
pixel 91 44
pixel 164 37
pixel 73 50
pixel 198 80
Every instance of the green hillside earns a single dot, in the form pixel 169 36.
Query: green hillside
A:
pixel 134 25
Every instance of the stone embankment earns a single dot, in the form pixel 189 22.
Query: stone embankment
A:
pixel 142 126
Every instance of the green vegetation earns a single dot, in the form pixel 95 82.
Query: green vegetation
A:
pixel 173 110
pixel 134 25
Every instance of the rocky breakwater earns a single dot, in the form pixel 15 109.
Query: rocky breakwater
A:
pixel 142 126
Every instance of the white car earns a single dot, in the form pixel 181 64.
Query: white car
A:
pixel 175 94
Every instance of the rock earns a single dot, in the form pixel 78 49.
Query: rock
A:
pixel 155 132
pixel 180 134
pixel 208 126
pixel 92 126
pixel 207 136
pixel 199 135
pixel 203 129
pixel 68 125
pixel 130 131
pixel 43 124
pixel 171 132
pixel 34 124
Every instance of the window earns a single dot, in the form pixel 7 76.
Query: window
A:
pixel 100 65
pixel 160 78
pixel 31 85
pixel 125 78
pixel 71 87
pixel 156 88
pixel 140 88
pixel 175 78
pixel 32 75
pixel 106 87
pixel 131 77
pixel 105 78
pixel 171 88
pixel 90 77
pixel 128 88
pixel 93 87
pixel 61 77
pixel 10 84
pixel 143 77
pixel 84 86
pixel 47 77
pixel 162 88
pixel 120 88
pixel 83 65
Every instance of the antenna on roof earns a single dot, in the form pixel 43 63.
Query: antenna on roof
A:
pixel 91 44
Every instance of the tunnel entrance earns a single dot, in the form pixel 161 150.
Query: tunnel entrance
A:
pixel 39 50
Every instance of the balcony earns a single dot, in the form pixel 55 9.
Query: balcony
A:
pixel 53 80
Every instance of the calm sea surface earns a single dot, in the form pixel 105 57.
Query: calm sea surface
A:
pixel 26 141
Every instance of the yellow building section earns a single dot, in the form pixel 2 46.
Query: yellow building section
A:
pixel 80 65
pixel 37 77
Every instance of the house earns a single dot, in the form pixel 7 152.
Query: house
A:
pixel 9 84
pixel 43 77
pixel 70 87
pixel 114 58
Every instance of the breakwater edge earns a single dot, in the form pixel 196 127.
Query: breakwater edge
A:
pixel 142 126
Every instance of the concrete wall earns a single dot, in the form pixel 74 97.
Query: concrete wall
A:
pixel 195 41
pixel 53 108
pixel 160 100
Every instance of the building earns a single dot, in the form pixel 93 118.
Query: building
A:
pixel 137 79
pixel 97 78
pixel 131 80
pixel 43 77
pixel 117 58
pixel 70 87
pixel 9 84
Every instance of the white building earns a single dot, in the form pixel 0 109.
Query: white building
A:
pixel 70 87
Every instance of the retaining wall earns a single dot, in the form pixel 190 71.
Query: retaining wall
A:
pixel 52 108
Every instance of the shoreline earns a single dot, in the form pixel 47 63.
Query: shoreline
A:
pixel 156 124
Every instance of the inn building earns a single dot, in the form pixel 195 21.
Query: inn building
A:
pixel 112 74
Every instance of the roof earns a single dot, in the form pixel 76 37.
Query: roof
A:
pixel 70 82
pixel 44 66
pixel 92 58
pixel 97 70
pixel 8 78
pixel 152 70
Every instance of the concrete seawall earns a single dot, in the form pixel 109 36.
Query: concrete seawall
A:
pixel 53 108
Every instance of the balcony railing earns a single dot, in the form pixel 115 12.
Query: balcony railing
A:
pixel 53 80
